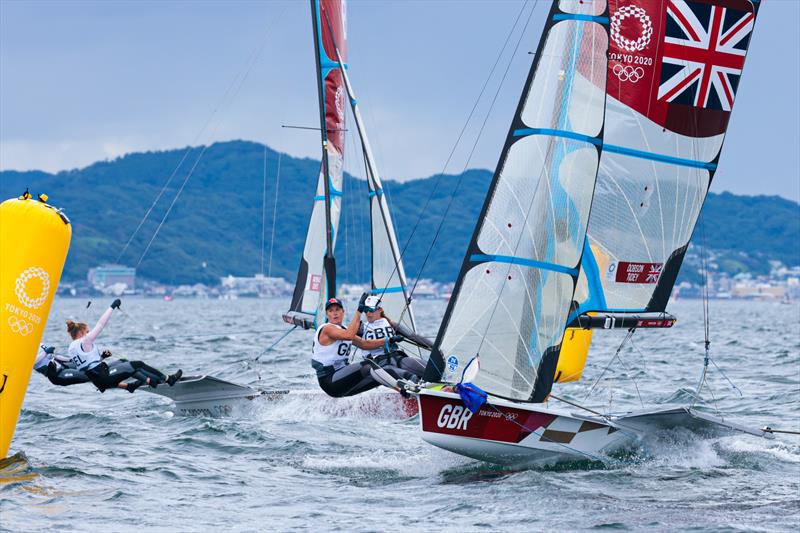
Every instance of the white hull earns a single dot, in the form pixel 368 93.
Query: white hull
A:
pixel 210 396
pixel 512 433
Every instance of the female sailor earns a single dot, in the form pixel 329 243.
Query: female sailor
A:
pixel 86 357
pixel 332 344
pixel 379 327
pixel 59 371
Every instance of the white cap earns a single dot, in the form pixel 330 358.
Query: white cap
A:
pixel 372 302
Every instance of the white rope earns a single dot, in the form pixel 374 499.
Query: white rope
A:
pixel 264 210
pixel 228 96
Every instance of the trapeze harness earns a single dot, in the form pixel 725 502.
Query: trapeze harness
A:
pixel 61 374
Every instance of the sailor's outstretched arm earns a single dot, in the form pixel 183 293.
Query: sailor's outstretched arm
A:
pixel 88 341
pixel 367 344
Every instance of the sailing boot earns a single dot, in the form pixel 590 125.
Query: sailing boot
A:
pixel 171 380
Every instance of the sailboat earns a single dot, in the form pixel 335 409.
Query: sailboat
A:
pixel 316 277
pixel 606 165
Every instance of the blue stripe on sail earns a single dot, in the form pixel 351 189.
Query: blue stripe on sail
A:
pixel 322 197
pixel 652 156
pixel 658 157
pixel 388 290
pixel 379 192
pixel 557 133
pixel 575 16
pixel 542 265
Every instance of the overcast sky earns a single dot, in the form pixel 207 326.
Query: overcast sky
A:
pixel 87 81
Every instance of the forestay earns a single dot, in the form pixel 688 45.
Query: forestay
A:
pixel 316 278
pixel 514 291
pixel 673 73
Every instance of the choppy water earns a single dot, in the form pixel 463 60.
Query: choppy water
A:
pixel 122 462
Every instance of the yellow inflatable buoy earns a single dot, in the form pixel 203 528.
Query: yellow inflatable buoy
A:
pixel 34 240
pixel 572 359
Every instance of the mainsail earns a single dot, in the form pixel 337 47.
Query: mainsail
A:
pixel 316 278
pixel 515 288
pixel 672 77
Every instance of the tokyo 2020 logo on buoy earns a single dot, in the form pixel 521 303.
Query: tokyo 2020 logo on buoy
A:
pixel 646 32
pixel 21 290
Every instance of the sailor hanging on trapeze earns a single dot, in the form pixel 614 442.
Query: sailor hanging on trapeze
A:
pixel 85 363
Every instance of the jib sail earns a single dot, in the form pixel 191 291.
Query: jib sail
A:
pixel 515 289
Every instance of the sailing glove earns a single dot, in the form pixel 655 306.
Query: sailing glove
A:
pixel 362 301
pixel 116 303
pixel 396 339
pixel 106 354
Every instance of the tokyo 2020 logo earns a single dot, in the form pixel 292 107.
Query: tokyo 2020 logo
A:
pixel 645 33
pixel 21 289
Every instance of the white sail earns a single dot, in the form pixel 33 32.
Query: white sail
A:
pixel 388 275
pixel 515 289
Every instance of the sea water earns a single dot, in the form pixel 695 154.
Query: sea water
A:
pixel 88 461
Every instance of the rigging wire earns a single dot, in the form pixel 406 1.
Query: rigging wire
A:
pixel 264 210
pixel 472 151
pixel 274 212
pixel 628 336
pixel 274 344
pixel 439 176
pixel 228 96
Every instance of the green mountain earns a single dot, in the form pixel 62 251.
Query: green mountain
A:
pixel 214 228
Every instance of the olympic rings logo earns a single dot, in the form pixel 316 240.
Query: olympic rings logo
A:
pixel 628 73
pixel 631 45
pixel 20 326
pixel 20 290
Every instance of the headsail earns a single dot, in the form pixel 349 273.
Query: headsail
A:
pixel 672 77
pixel 388 274
pixel 516 285
pixel 316 278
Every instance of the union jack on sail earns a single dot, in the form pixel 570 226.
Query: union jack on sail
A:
pixel 703 54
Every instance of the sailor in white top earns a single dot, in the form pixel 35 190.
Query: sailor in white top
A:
pixel 85 356
pixel 389 356
pixel 332 345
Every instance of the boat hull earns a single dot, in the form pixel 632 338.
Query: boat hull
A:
pixel 510 433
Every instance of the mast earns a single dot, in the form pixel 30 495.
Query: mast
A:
pixel 330 260
pixel 318 264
